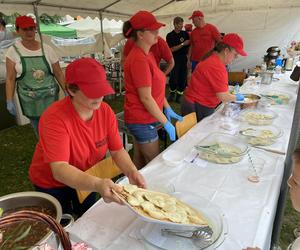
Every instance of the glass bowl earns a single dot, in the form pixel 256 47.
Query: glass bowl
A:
pixel 260 136
pixel 258 116
pixel 153 231
pixel 222 148
pixel 277 97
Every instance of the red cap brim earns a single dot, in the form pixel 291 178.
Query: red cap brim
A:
pixel 156 26
pixel 94 91
pixel 241 52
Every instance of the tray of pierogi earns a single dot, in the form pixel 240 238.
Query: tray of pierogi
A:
pixel 157 207
pixel 221 148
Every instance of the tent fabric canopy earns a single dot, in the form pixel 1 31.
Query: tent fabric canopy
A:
pixel 57 30
pixel 261 23
pixel 122 9
pixel 88 26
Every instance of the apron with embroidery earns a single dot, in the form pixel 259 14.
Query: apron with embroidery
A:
pixel 36 86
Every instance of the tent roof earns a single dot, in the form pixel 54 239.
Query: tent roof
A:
pixel 122 9
pixel 57 30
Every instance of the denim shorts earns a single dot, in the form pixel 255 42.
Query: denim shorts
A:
pixel 144 133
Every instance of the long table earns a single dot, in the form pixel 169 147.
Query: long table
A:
pixel 248 209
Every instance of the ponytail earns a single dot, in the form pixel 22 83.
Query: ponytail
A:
pixel 128 31
pixel 219 47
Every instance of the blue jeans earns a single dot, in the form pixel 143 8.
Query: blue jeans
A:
pixel 68 199
pixel 144 133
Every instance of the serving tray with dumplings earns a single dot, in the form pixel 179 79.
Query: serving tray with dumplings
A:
pixel 156 207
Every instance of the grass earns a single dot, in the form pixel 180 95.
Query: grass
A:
pixel 17 146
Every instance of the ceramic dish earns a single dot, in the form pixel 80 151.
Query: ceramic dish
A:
pixel 222 148
pixel 161 208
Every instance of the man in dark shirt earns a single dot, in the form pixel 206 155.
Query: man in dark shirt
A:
pixel 178 41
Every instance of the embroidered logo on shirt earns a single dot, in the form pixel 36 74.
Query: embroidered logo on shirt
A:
pixel 101 143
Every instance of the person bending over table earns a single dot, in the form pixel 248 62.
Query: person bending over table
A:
pixel 145 89
pixel 75 134
pixel 209 83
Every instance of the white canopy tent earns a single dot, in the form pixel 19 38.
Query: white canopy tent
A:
pixel 87 26
pixel 260 23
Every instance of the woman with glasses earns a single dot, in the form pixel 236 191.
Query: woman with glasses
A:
pixel 209 83
pixel 145 89
pixel 33 67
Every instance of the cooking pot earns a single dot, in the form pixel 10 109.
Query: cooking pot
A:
pixel 273 49
pixel 273 54
pixel 266 77
pixel 39 199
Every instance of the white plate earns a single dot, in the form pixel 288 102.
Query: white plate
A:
pixel 151 232
pixel 188 199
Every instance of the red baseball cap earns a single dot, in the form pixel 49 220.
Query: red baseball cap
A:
pixel 144 20
pixel 24 22
pixel 236 42
pixel 90 76
pixel 196 13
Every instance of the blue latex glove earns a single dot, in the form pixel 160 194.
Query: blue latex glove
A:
pixel 239 97
pixel 10 106
pixel 170 130
pixel 171 114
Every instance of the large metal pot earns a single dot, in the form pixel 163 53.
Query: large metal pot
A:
pixel 23 199
pixel 266 77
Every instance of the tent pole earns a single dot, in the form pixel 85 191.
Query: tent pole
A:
pixel 102 33
pixel 35 10
pixel 287 172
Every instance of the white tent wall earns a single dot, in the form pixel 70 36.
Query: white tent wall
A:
pixel 260 29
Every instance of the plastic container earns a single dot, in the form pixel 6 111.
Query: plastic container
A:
pixel 172 157
pixel 258 116
pixel 260 136
pixel 222 148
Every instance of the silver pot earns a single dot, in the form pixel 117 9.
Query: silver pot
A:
pixel 266 77
pixel 23 199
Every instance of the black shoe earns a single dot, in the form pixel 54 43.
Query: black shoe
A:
pixel 171 97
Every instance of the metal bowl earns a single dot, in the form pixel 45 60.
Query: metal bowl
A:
pixel 250 101
pixel 24 199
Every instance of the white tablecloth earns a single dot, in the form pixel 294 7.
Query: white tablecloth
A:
pixel 248 208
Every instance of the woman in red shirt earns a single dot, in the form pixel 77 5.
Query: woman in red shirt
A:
pixel 209 83
pixel 145 89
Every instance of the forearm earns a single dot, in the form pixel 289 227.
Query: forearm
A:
pixel 74 177
pixel 169 67
pixel 59 75
pixel 123 161
pixel 152 107
pixel 226 97
pixel 10 89
pixel 166 104
pixel 189 53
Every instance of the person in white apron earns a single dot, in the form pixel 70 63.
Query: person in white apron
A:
pixel 29 65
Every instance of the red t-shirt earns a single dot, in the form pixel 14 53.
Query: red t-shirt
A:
pixel 203 40
pixel 140 70
pixel 64 136
pixel 160 50
pixel 209 77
